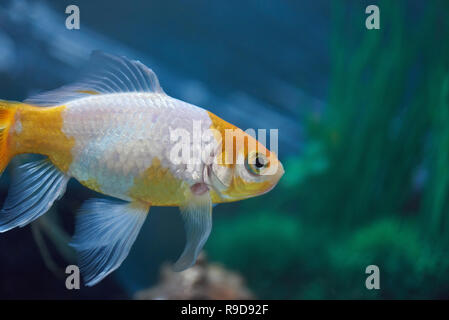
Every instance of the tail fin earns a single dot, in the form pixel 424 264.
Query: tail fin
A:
pixel 7 111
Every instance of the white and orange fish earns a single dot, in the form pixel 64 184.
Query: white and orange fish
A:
pixel 111 132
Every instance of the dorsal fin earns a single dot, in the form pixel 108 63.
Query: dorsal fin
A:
pixel 106 73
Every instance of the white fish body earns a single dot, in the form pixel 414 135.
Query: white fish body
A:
pixel 118 136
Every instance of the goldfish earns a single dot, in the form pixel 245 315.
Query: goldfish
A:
pixel 113 132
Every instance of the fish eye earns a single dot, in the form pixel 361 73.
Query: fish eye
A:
pixel 256 162
pixel 259 163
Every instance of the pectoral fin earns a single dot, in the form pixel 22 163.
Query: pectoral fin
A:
pixel 104 234
pixel 197 216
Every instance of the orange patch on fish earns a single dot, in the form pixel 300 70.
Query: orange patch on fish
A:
pixel 158 186
pixel 240 188
pixel 6 118
pixel 39 130
pixel 222 128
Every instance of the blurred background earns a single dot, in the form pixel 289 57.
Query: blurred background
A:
pixel 363 119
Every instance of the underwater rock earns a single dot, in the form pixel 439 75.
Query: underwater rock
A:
pixel 202 281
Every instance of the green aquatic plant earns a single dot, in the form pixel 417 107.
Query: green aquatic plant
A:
pixel 410 266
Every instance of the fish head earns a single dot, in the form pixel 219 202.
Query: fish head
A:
pixel 252 170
